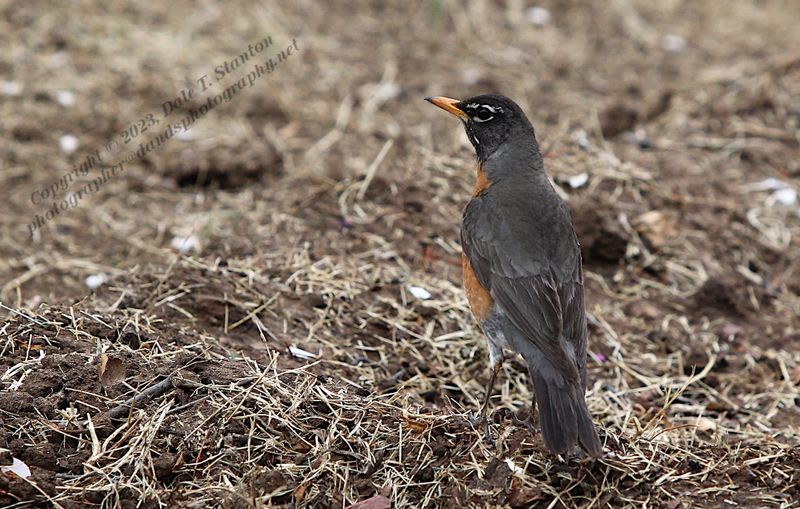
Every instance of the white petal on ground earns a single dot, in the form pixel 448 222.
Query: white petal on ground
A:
pixel 539 16
pixel 705 424
pixel 674 43
pixel 768 184
pixel 786 196
pixel 419 292
pixel 582 139
pixel 578 180
pixel 10 88
pixel 18 467
pixel 386 91
pixel 782 192
pixel 184 136
pixel 472 76
pixel 517 470
pixel 65 98
pixel 96 280
pixel 301 354
pixel 68 143
pixel 185 244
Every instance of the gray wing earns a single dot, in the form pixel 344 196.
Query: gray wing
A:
pixel 540 287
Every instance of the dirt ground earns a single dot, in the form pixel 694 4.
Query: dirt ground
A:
pixel 262 268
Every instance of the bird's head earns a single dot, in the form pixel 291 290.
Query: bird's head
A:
pixel 490 121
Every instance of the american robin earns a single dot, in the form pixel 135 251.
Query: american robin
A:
pixel 522 269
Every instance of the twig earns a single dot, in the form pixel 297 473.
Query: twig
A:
pixel 181 408
pixel 373 168
pixel 151 392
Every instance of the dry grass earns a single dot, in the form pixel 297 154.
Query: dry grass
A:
pixel 320 196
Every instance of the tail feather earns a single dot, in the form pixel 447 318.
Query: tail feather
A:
pixel 563 416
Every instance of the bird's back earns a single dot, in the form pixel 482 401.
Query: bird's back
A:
pixel 529 224
pixel 520 242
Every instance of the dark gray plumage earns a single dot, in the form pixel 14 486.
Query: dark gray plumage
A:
pixel 519 241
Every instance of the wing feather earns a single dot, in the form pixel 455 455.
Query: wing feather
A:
pixel 544 302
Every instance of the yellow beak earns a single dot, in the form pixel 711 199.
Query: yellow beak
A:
pixel 448 105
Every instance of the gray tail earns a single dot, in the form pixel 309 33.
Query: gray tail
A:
pixel 563 415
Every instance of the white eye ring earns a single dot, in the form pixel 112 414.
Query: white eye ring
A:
pixel 482 109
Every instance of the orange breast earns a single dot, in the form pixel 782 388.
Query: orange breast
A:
pixel 479 298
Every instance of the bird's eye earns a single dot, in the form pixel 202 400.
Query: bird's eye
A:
pixel 483 114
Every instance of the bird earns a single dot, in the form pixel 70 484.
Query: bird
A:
pixel 523 271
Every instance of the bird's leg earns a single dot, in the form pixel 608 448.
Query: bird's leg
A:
pixel 481 418
pixel 530 421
